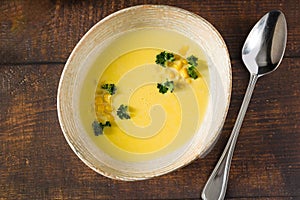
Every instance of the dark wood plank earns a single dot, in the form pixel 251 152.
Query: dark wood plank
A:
pixel 37 163
pixel 47 31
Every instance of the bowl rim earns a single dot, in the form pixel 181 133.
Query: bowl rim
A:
pixel 208 146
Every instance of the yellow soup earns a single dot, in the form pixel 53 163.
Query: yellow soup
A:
pixel 159 123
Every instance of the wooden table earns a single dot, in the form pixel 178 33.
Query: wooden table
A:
pixel 36 38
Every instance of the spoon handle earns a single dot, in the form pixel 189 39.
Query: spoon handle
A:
pixel 215 187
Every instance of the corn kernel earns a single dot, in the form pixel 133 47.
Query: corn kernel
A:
pixel 98 100
pixel 184 73
pixel 107 98
pixel 188 80
pixel 110 118
pixel 177 65
pixel 184 61
pixel 177 57
pixel 108 108
pixel 100 108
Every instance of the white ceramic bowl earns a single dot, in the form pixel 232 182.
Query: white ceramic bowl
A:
pixel 95 40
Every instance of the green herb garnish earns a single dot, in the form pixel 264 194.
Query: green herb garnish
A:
pixel 110 88
pixel 98 127
pixel 165 87
pixel 122 112
pixel 191 69
pixel 162 89
pixel 192 60
pixel 164 57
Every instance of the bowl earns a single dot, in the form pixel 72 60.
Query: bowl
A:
pixel 81 72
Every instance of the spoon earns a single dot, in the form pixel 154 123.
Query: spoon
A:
pixel 262 53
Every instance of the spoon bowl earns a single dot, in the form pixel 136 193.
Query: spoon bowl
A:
pixel 265 45
pixel 262 53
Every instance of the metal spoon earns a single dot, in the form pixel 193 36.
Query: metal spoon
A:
pixel 262 53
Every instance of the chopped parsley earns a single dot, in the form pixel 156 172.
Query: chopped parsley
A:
pixel 98 127
pixel 192 60
pixel 191 69
pixel 110 88
pixel 122 112
pixel 165 87
pixel 164 57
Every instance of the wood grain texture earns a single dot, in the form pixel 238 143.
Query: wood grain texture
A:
pixel 47 31
pixel 36 162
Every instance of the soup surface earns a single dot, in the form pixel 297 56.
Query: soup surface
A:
pixel 146 109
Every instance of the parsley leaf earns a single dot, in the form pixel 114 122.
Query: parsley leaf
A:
pixel 192 71
pixel 110 88
pixel 164 57
pixel 98 127
pixel 192 60
pixel 162 89
pixel 122 112
pixel 165 87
